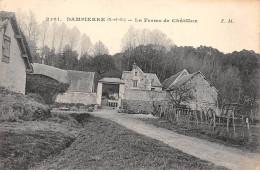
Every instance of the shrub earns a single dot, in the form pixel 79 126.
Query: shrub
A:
pixel 14 107
pixel 36 97
pixel 45 86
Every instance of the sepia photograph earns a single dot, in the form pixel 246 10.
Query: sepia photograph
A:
pixel 129 85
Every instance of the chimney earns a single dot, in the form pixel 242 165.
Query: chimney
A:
pixel 134 66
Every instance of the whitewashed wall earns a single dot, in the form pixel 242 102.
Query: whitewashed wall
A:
pixel 12 74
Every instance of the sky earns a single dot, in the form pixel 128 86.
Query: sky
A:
pixel 243 33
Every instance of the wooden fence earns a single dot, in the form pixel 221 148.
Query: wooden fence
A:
pixel 229 123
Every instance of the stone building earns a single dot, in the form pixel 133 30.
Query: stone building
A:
pixel 82 88
pixel 136 90
pixel 204 95
pixel 138 80
pixel 15 54
pixel 141 90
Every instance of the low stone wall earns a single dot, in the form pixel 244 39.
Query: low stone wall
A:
pixel 77 97
pixel 144 95
pixel 138 106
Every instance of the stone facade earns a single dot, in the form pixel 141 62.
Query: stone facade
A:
pixel 81 89
pixel 141 90
pixel 138 76
pixel 77 97
pixel 204 95
pixel 138 106
pixel 144 95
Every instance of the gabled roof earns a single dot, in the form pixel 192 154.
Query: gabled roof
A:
pixel 184 79
pixel 20 38
pixel 169 81
pixel 112 80
pixel 52 72
pixel 188 77
pixel 154 79
pixel 81 81
pixel 155 82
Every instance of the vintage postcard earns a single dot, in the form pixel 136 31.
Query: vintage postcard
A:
pixel 129 85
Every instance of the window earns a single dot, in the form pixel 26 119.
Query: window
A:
pixel 152 89
pixel 135 73
pixel 6 49
pixel 135 83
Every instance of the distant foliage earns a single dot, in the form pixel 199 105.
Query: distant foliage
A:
pixel 235 75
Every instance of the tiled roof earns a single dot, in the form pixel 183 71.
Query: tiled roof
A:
pixel 21 40
pixel 112 80
pixel 186 78
pixel 81 81
pixel 52 72
pixel 167 82
pixel 154 79
pixel 151 76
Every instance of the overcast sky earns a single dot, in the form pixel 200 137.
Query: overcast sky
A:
pixel 209 31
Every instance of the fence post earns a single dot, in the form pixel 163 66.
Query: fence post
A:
pixel 161 112
pixel 189 115
pixel 164 112
pixel 177 117
pixel 201 120
pixel 243 126
pixel 234 126
pixel 228 122
pixel 248 129
pixel 197 116
pixel 219 121
pixel 214 123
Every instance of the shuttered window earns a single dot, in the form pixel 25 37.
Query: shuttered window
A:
pixel 6 49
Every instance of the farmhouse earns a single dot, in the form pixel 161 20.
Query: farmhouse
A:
pixel 192 90
pixel 81 90
pixel 136 90
pixel 15 54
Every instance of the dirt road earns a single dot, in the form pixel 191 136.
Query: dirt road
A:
pixel 228 157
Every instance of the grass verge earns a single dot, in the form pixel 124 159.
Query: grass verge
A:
pixel 252 146
pixel 24 144
pixel 106 145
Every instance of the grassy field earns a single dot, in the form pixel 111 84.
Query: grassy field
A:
pixel 23 144
pixel 252 146
pixel 106 145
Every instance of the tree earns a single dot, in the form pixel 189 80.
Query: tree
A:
pixel 100 49
pixel 43 30
pixel 86 45
pixel 54 32
pixel 129 40
pixel 62 31
pixel 67 59
pixel 181 95
pixel 31 26
pixel 73 37
pixel 134 38
pixel 104 65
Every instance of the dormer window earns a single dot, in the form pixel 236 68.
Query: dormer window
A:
pixel 6 49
